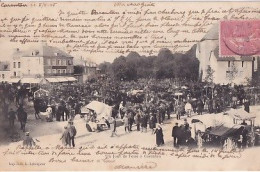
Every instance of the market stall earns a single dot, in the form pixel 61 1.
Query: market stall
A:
pixel 240 115
pixel 96 114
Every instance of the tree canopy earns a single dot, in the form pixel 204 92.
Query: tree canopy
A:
pixel 165 65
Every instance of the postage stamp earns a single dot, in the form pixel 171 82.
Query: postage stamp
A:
pixel 240 37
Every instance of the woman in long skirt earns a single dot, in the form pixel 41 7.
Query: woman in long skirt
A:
pixel 159 135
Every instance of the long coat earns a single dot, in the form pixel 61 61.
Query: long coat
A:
pixel 159 136
pixel 152 122
pixel 175 131
pixel 22 115
pixel 65 137
pixel 246 106
pixel 144 121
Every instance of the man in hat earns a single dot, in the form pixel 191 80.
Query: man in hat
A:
pixel 246 105
pixel 152 122
pixel 186 124
pixel 28 141
pixel 138 119
pixel 178 112
pixel 175 134
pixel 72 131
pixel 22 117
pixel 131 120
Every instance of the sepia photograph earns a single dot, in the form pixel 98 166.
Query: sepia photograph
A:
pixel 129 86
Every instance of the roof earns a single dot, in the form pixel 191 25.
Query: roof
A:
pixel 231 58
pixel 213 33
pixel 223 131
pixel 50 51
pixel 241 114
pixel 42 51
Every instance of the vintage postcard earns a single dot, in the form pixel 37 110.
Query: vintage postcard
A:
pixel 129 86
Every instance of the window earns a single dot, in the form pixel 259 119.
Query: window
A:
pixel 14 74
pixel 64 71
pixel 3 76
pixel 69 62
pixel 242 63
pixel 48 62
pixel 58 62
pixel 53 61
pixel 228 63
pixel 14 64
pixel 53 70
pixel 63 62
pixel 19 64
pixel 227 74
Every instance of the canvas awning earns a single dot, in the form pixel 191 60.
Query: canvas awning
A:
pixel 71 79
pixel 223 131
pixel 14 80
pixel 31 80
pixel 241 114
pixel 40 93
pixel 101 109
pixel 63 79
pixel 52 80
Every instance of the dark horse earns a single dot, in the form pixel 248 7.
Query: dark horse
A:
pixel 40 105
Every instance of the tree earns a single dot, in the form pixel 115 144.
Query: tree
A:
pixel 164 65
pixel 105 67
pixel 232 72
pixel 124 69
pixel 78 69
pixel 209 78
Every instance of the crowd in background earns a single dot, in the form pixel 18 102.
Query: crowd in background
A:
pixel 145 102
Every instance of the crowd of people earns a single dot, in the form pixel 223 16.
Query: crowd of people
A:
pixel 140 103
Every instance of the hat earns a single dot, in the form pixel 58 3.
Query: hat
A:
pixel 27 133
pixel 185 119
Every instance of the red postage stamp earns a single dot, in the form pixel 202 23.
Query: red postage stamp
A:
pixel 239 38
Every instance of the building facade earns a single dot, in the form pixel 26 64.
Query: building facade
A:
pixel 40 62
pixel 225 70
pixel 89 71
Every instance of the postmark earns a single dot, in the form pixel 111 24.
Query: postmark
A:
pixel 239 37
